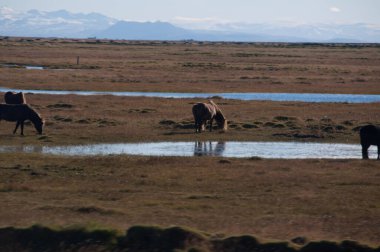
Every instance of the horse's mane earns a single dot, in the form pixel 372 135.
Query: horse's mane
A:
pixel 218 110
pixel 219 117
pixel 34 114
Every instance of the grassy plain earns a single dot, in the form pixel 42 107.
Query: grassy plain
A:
pixel 275 199
pixel 75 119
pixel 272 199
pixel 191 66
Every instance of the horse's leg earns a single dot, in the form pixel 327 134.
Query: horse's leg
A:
pixel 17 124
pixel 378 152
pixel 365 151
pixel 211 124
pixel 22 128
pixel 198 126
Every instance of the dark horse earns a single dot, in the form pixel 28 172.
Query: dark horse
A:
pixel 19 113
pixel 14 98
pixel 204 112
pixel 370 135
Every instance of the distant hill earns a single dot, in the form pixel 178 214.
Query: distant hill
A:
pixel 167 31
pixel 64 24
pixel 144 31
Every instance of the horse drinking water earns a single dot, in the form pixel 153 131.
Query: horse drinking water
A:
pixel 370 135
pixel 204 112
pixel 19 113
pixel 14 98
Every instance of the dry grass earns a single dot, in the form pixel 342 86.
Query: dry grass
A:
pixel 274 199
pixel 191 67
pixel 90 119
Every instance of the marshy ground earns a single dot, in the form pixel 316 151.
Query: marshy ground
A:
pixel 273 199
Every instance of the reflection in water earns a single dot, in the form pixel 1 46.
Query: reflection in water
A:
pixel 22 148
pixel 287 150
pixel 209 148
pixel 302 97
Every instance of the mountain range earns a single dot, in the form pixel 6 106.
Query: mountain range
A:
pixel 64 24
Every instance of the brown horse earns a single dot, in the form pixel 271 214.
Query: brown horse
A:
pixel 370 135
pixel 19 113
pixel 14 98
pixel 204 112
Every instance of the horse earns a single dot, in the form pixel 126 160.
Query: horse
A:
pixel 14 98
pixel 19 113
pixel 369 135
pixel 204 112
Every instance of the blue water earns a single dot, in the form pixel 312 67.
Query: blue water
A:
pixel 301 97
pixel 271 150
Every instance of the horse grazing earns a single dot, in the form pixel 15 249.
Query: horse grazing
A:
pixel 370 135
pixel 14 98
pixel 19 113
pixel 204 112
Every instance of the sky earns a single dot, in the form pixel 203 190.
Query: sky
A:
pixel 217 11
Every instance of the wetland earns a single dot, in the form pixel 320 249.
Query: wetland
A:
pixel 332 199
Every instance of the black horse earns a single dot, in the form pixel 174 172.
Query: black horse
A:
pixel 19 113
pixel 370 135
pixel 14 98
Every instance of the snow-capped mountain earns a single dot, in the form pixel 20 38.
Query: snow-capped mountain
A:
pixel 52 24
pixel 65 24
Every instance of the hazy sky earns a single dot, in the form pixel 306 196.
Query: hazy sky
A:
pixel 250 11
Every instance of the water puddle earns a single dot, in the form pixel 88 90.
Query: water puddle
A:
pixel 271 150
pixel 23 66
pixel 34 67
pixel 301 97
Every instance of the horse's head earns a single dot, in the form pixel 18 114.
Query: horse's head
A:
pixel 221 121
pixel 39 124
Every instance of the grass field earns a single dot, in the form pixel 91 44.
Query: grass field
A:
pixel 273 199
pixel 191 67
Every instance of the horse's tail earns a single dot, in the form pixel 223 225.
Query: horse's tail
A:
pixel 199 111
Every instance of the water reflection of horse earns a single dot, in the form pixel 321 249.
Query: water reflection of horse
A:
pixel 204 112
pixel 208 149
pixel 370 135
pixel 14 98
pixel 19 113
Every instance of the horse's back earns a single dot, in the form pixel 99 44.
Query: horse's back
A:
pixel 14 112
pixel 203 111
pixel 370 134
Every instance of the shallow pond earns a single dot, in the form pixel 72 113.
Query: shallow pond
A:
pixel 302 97
pixel 286 150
